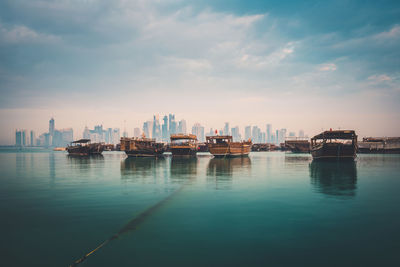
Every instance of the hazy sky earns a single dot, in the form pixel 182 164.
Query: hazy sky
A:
pixel 306 65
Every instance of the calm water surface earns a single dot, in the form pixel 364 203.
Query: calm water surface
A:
pixel 271 209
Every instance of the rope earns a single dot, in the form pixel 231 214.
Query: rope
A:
pixel 130 226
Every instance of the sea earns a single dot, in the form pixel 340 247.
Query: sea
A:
pixel 268 209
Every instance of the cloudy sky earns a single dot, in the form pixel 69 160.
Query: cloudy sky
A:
pixel 308 65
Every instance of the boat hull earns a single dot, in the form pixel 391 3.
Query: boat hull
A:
pixel 183 151
pixel 334 151
pixel 230 150
pixel 144 153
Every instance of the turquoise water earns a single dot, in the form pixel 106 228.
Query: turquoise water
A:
pixel 271 209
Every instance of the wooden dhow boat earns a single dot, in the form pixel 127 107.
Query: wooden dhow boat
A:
pixel 84 147
pixel 338 145
pixel 297 144
pixel 142 147
pixel 223 146
pixel 183 145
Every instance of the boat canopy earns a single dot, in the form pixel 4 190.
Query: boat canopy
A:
pixel 337 134
pixel 183 136
pixel 81 141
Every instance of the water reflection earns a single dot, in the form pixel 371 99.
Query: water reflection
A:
pixel 334 178
pixel 83 163
pixel 141 167
pixel 183 168
pixel 222 170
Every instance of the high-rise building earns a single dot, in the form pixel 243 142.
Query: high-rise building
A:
pixel 172 124
pixel 136 132
pixel 292 134
pixel 269 133
pixel 116 136
pixel 256 135
pixel 301 134
pixel 198 130
pixel 18 138
pixel 226 128
pixel 164 129
pixel 146 130
pixel 33 138
pixel 51 126
pixel 277 137
pixel 156 131
pixel 182 127
pixel 247 133
pixel 236 134
pixel 211 132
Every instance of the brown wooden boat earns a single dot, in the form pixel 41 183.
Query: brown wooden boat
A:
pixel 297 145
pixel 183 145
pixel 223 146
pixel 338 145
pixel 83 147
pixel 142 147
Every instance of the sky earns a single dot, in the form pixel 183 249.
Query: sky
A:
pixel 308 65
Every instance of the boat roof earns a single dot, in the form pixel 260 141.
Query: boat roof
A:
pixel 336 134
pixel 140 139
pixel 81 141
pixel 219 137
pixel 183 136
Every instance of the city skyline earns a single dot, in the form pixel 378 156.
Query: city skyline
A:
pixel 296 65
pixel 151 129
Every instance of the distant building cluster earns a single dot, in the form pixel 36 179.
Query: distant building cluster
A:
pixel 100 135
pixel 53 138
pixel 153 129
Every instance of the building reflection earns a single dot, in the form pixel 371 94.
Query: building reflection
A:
pixel 337 178
pixel 221 170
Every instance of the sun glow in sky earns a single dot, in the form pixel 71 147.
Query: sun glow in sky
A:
pixel 308 65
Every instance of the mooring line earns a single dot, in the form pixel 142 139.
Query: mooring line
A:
pixel 130 226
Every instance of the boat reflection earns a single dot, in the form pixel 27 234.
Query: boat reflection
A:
pixel 84 162
pixel 134 167
pixel 221 170
pixel 337 178
pixel 183 168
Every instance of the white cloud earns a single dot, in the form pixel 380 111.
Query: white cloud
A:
pixel 22 34
pixel 327 67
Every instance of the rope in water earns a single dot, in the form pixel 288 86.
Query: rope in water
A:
pixel 130 226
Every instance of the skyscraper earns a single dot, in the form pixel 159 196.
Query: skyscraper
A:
pixel 32 137
pixel 156 133
pixel 182 127
pixel 226 128
pixel 172 124
pixel 164 129
pixel 247 133
pixel 136 132
pixel 198 130
pixel 146 129
pixel 269 132
pixel 301 134
pixel 235 134
pixel 18 138
pixel 51 127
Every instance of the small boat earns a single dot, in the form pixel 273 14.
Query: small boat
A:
pixel 223 146
pixel 183 145
pixel 83 147
pixel 142 147
pixel 338 144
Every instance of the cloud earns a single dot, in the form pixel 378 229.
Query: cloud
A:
pixel 21 34
pixel 327 67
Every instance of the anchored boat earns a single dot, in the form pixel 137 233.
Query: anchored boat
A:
pixel 297 145
pixel 183 145
pixel 223 146
pixel 142 147
pixel 339 144
pixel 83 147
